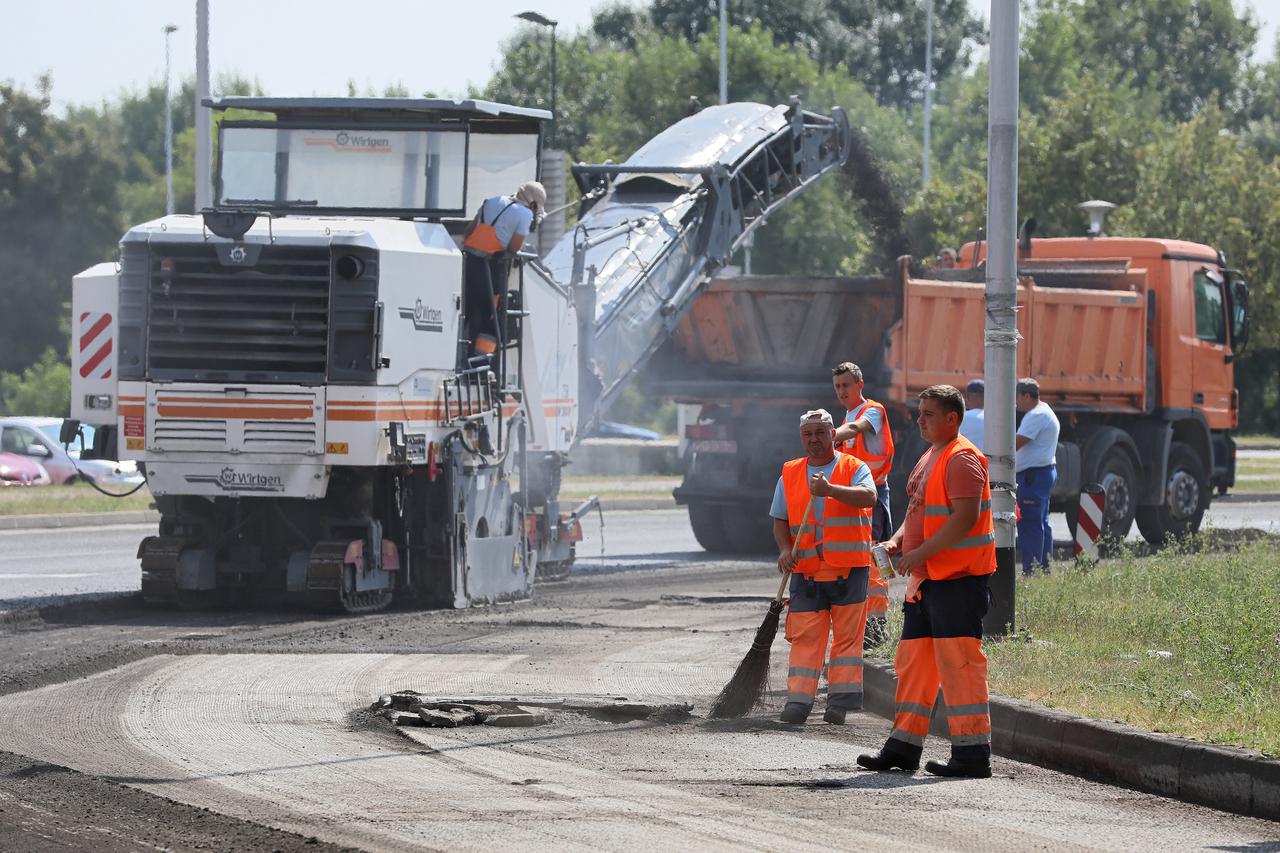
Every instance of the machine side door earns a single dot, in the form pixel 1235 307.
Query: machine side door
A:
pixel 1211 354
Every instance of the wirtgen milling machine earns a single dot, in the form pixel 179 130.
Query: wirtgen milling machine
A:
pixel 290 367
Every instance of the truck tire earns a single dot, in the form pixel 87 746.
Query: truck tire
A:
pixel 1119 479
pixel 708 527
pixel 747 532
pixel 1186 498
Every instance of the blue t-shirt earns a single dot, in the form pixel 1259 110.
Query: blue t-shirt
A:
pixel 507 221
pixel 861 478
pixel 1040 425
pixel 972 426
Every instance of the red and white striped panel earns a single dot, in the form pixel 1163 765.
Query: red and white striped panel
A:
pixel 1089 522
pixel 96 341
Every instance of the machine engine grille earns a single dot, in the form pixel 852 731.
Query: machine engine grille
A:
pixel 264 321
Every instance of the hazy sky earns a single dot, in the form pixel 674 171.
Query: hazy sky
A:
pixel 96 48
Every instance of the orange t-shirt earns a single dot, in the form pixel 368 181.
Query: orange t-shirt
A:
pixel 965 479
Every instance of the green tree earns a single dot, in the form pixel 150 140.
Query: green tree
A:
pixel 880 42
pixel 1184 55
pixel 41 390
pixel 59 212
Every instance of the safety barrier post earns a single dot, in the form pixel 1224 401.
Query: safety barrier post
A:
pixel 1093 504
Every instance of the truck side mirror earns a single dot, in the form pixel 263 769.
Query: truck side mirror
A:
pixel 1239 314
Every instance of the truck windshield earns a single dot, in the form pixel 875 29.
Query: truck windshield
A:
pixel 269 166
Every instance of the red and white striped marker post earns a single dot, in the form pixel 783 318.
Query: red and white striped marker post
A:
pixel 1093 502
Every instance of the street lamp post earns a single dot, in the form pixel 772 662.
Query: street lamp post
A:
pixel 543 21
pixel 169 30
pixel 928 91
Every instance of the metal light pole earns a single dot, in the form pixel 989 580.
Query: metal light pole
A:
pixel 724 54
pixel 543 21
pixel 928 90
pixel 1002 302
pixel 204 142
pixel 169 30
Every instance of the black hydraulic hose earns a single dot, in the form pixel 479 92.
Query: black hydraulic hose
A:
pixel 75 462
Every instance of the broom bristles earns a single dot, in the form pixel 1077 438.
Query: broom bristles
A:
pixel 747 686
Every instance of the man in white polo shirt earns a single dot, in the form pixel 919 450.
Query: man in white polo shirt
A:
pixel 1036 468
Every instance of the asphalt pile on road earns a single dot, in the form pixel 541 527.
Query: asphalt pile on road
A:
pixel 410 708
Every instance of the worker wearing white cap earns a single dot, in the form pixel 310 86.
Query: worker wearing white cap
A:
pixel 491 239
pixel 829 565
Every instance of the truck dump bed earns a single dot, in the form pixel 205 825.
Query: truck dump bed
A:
pixel 1084 335
pixel 1083 327
pixel 776 336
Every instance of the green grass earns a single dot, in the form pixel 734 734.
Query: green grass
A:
pixel 81 497
pixel 1257 475
pixel 647 486
pixel 1180 642
pixel 1257 440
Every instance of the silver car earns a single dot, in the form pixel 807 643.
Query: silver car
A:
pixel 37 438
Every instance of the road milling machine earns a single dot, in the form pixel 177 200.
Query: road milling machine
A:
pixel 290 367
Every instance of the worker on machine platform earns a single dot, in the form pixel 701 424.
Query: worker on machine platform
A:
pixel 865 433
pixel 492 238
pixel 829 568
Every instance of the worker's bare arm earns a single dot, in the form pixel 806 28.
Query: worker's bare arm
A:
pixel 1022 440
pixel 782 537
pixel 515 244
pixel 850 431
pixel 858 497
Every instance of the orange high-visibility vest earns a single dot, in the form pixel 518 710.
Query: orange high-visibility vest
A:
pixel 882 464
pixel 976 553
pixel 484 238
pixel 846 531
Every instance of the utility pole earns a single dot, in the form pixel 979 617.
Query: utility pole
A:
pixel 169 30
pixel 1002 302
pixel 204 141
pixel 724 54
pixel 928 90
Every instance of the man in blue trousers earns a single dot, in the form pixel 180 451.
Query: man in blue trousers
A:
pixel 1037 471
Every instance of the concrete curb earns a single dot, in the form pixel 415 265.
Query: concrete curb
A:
pixel 77 519
pixel 1221 777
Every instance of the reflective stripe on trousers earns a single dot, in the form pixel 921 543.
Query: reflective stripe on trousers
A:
pixel 808 630
pixel 942 648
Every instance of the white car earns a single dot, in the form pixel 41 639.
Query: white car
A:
pixel 37 439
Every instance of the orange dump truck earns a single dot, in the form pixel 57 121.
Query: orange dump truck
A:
pixel 1131 340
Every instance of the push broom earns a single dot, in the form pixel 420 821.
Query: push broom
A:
pixel 747 685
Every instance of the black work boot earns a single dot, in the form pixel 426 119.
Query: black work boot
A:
pixel 834 716
pixel 795 712
pixel 958 770
pixel 889 759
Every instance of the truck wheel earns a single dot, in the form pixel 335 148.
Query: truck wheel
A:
pixel 747 531
pixel 1119 479
pixel 708 527
pixel 1185 500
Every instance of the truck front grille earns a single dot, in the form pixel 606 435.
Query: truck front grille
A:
pixel 264 321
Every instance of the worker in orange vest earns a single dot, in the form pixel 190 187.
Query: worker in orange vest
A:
pixel 489 242
pixel 947 547
pixel 865 433
pixel 829 568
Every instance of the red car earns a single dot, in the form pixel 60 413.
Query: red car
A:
pixel 16 470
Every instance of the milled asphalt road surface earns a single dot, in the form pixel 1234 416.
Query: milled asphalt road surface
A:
pixel 125 723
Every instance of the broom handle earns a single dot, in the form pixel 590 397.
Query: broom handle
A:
pixel 795 543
